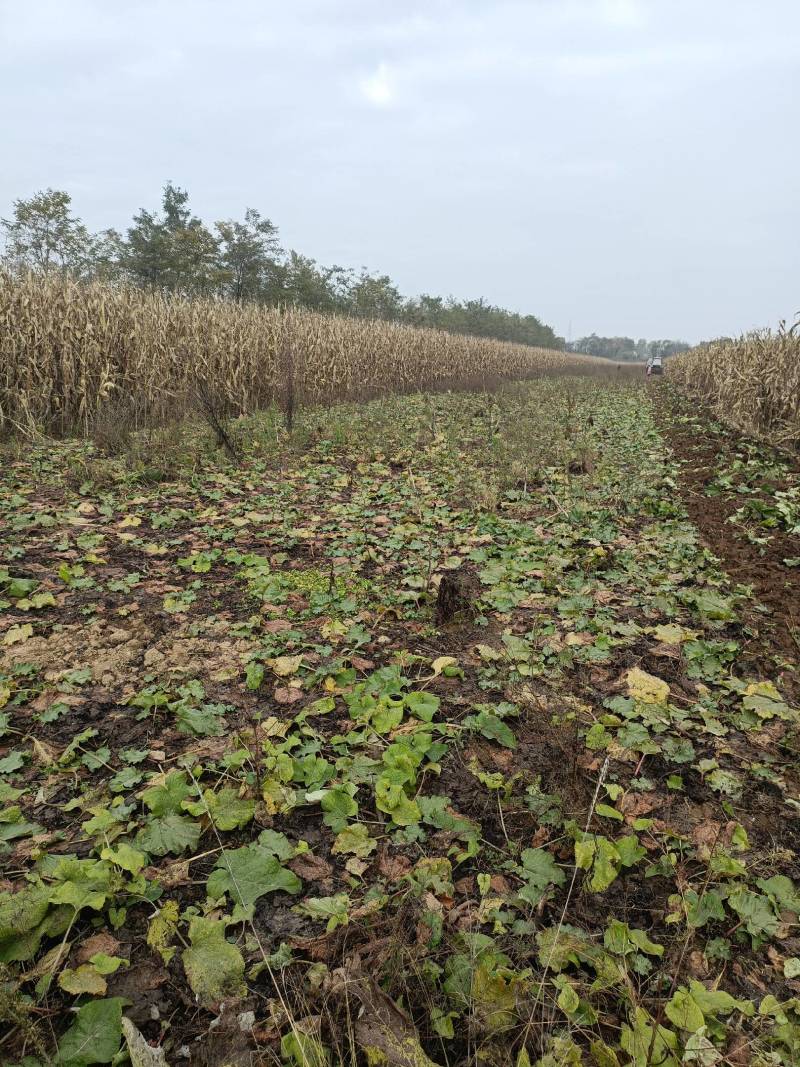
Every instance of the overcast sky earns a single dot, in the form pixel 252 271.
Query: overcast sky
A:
pixel 623 166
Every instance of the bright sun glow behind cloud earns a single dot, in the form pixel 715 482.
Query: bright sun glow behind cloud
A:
pixel 378 88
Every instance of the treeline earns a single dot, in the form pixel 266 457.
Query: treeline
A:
pixel 173 251
pixel 625 349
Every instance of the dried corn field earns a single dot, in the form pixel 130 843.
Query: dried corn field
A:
pixel 752 382
pixel 68 350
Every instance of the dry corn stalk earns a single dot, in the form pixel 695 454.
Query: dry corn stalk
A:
pixel 752 382
pixel 68 348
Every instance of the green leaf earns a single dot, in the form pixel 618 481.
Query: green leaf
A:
pixel 166 798
pixel 606 865
pixel 129 859
pixel 300 1049
pixel 339 806
pixel 540 869
pixel 684 1011
pixel 645 1049
pixel 492 727
pixel 568 1000
pixel 22 911
pixel 597 737
pixel 335 909
pixel 214 968
pixel 422 705
pixel 254 674
pixel 170 833
pixel 387 715
pixel 84 979
pixel 629 850
pixel 704 908
pixel 712 605
pixel 205 721
pixel 390 797
pixel 609 813
pixel 644 944
pixel 354 839
pixel 82 883
pixel 13 761
pixel 603 1055
pixel 782 890
pixel 227 809
pixel 248 873
pixel 755 911
pixel 95 1035
pixel 276 844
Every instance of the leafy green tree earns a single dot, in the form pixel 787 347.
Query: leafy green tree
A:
pixel 425 310
pixel 249 256
pixel 107 256
pixel 44 235
pixel 173 251
pixel 374 296
pixel 305 283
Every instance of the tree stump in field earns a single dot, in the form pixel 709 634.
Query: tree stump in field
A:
pixel 456 596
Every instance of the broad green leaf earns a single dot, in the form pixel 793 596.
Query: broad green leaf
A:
pixel 126 857
pixel 82 883
pixel 540 870
pixel 606 865
pixel 227 809
pixel 339 806
pixel 248 873
pixel 492 727
pixel 684 1011
pixel 95 1035
pixel 423 705
pixel 170 833
pixel 166 797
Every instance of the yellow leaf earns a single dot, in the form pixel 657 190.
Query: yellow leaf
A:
pixel 130 520
pixel 646 687
pixel 84 979
pixel 672 634
pixel 17 634
pixel 439 664
pixel 283 666
pixel 152 549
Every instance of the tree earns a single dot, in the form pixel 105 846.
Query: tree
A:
pixel 173 251
pixel 249 256
pixel 425 310
pixel 307 284
pixel 44 235
pixel 374 296
pixel 107 256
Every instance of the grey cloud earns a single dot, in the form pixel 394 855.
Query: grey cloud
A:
pixel 620 165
